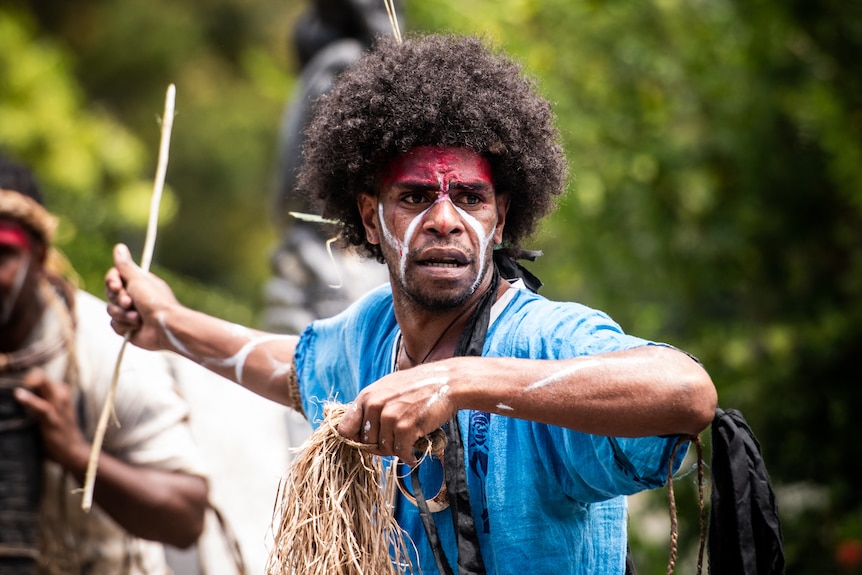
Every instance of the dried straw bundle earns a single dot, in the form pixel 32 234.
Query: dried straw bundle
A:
pixel 334 510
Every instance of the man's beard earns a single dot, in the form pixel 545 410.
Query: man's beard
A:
pixel 436 301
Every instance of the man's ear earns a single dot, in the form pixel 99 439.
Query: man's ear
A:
pixel 502 201
pixel 367 205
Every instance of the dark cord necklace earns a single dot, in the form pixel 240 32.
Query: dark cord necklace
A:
pixel 413 362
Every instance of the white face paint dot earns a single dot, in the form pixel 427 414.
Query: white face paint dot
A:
pixel 367 427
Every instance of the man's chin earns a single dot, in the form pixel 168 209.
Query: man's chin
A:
pixel 440 295
pixel 430 299
pixel 439 304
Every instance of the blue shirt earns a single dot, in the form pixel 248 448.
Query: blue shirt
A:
pixel 545 499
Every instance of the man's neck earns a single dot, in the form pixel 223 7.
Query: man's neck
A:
pixel 431 335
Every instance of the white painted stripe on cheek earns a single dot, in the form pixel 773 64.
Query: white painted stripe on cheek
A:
pixel 402 248
pixel 408 235
pixel 483 241
pixel 387 235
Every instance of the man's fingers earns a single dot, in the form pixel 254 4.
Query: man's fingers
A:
pixel 123 258
pixel 116 278
pixel 31 402
pixel 113 285
pixel 406 456
pixel 121 328
pixel 37 392
pixel 124 317
pixel 350 422
pixel 360 424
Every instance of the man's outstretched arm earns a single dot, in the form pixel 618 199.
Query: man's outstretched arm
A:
pixel 143 304
pixel 646 391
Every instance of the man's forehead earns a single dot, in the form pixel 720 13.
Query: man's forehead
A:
pixel 435 162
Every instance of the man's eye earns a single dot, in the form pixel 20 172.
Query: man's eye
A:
pixel 470 200
pixel 413 199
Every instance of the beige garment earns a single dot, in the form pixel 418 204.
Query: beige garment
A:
pixel 154 431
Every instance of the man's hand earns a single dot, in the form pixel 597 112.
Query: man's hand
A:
pixel 151 503
pixel 51 403
pixel 136 300
pixel 400 408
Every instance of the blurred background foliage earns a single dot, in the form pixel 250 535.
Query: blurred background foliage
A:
pixel 715 199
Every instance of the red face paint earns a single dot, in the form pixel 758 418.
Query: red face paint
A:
pixel 438 212
pixel 429 175
pixel 437 168
pixel 14 234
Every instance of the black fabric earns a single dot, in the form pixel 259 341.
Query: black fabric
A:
pixel 510 269
pixel 744 528
pixel 21 477
pixel 470 560
pixel 630 562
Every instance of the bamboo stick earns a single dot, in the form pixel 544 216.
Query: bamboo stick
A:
pixel 146 260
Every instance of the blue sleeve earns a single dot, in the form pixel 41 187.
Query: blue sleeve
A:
pixel 533 327
pixel 595 468
pixel 588 467
pixel 336 357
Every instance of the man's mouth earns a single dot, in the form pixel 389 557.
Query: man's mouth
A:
pixel 442 258
pixel 437 258
pixel 441 263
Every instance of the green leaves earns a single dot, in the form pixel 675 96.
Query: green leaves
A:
pixel 715 200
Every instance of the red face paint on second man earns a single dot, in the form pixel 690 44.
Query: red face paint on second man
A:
pixel 13 234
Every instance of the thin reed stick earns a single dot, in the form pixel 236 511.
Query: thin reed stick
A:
pixel 329 243
pixel 146 260
pixel 393 19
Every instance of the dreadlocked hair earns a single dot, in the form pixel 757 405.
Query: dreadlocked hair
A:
pixel 435 90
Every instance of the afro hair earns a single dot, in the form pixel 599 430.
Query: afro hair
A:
pixel 434 90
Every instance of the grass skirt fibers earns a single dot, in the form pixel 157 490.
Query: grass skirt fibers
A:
pixel 334 512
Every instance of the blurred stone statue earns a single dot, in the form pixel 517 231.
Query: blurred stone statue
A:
pixel 328 38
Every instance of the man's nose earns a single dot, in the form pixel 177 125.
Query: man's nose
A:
pixel 443 218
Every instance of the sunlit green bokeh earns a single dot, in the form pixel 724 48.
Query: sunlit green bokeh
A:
pixel 715 197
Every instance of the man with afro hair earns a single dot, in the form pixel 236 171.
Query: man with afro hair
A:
pixel 434 93
pixel 437 157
